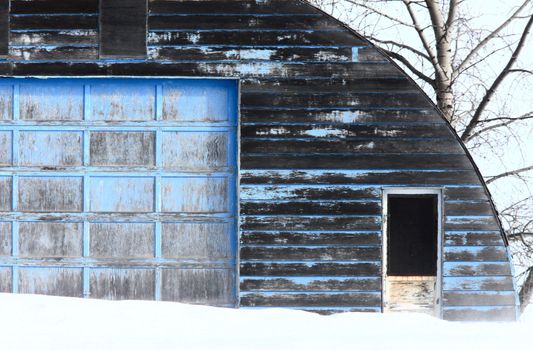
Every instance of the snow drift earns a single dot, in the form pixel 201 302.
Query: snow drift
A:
pixel 54 323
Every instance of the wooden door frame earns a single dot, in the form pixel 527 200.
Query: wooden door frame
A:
pixel 413 191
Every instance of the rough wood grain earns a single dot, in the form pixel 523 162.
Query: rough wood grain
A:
pixel 123 28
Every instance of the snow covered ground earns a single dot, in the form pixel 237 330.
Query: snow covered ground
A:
pixel 52 323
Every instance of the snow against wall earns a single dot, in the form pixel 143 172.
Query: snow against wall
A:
pixel 54 323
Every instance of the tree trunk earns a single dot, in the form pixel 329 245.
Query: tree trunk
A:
pixel 526 293
pixel 445 99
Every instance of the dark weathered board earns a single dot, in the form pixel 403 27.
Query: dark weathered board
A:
pixel 123 28
pixel 327 122
pixel 4 27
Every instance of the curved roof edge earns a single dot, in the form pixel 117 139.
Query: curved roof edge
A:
pixel 435 107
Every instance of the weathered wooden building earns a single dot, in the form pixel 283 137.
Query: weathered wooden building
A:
pixel 253 153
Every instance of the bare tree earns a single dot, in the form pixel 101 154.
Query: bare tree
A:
pixel 470 70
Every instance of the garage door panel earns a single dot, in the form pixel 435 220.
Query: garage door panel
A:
pixel 50 148
pixel 122 240
pixel 201 241
pixel 6 138
pixel 199 101
pixel 48 101
pixel 120 284
pixel 119 188
pixel 6 102
pixel 50 239
pixel 51 281
pixel 122 148
pixel 5 239
pixel 122 194
pixel 5 190
pixel 194 195
pixel 124 101
pixel 195 150
pixel 50 194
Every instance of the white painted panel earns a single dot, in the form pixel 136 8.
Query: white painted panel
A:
pixel 197 102
pixel 51 281
pixel 195 150
pixel 122 194
pixel 128 101
pixel 203 241
pixel 122 148
pixel 50 239
pixel 47 101
pixel 5 239
pixel 6 147
pixel 122 240
pixel 5 193
pixel 51 148
pixel 194 194
pixel 6 102
pixel 50 194
pixel 118 284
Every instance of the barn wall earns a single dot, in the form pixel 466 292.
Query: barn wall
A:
pixel 327 123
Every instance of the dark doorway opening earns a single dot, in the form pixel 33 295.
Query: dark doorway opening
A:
pixel 412 235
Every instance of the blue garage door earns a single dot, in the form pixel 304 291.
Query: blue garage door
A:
pixel 119 188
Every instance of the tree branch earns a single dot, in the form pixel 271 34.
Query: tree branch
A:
pixel 401 46
pixel 412 68
pixel 509 173
pixel 422 37
pixel 492 90
pixel 499 125
pixel 489 37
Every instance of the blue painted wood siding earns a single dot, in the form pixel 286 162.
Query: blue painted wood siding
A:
pixel 119 188
pixel 326 123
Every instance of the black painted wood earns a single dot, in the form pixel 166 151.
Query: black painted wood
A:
pixel 315 253
pixel 318 238
pixel 332 284
pixel 348 269
pixel 53 6
pixel 310 299
pixel 4 27
pixel 327 122
pixel 123 28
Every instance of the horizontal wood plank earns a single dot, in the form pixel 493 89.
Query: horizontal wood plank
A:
pixel 357 161
pixel 310 284
pixel 478 298
pixel 348 269
pixel 332 115
pixel 456 269
pixel 468 208
pixel 207 69
pixel 497 313
pixel 310 299
pixel 314 238
pixel 336 99
pixel 308 192
pixel 374 177
pixel 307 253
pixel 246 6
pixel 310 208
pixel 53 6
pixel 235 21
pixel 311 85
pixel 483 238
pixel 56 53
pixel 55 38
pixel 258 39
pixel 374 145
pixel 487 283
pixel 491 253
pixel 45 22
pixel 206 53
pixel 465 193
pixel 467 223
pixel 311 223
